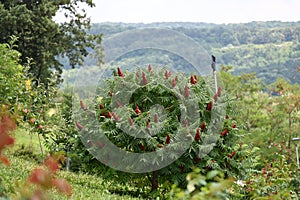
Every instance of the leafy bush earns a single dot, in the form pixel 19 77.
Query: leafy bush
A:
pixel 173 109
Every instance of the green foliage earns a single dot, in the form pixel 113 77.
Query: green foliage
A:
pixel 212 186
pixel 14 89
pixel 227 156
pixel 41 38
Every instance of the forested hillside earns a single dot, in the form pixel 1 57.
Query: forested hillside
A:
pixel 270 49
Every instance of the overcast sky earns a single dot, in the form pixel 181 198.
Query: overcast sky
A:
pixel 215 11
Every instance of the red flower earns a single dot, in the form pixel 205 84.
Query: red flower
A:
pixel 79 126
pixel 168 139
pixel 225 132
pixel 137 110
pixel 149 68
pixel 197 136
pixel 227 116
pixel 82 105
pixel 120 73
pixel 25 110
pixel 209 106
pixel 145 80
pixel 40 127
pixel 186 91
pixel 193 80
pixel 101 106
pixel 234 126
pixel 203 126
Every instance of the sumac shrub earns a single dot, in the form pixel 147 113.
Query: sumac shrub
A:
pixel 173 109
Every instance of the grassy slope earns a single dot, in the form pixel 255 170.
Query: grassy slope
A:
pixel 84 186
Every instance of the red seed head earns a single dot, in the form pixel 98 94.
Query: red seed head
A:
pixel 219 91
pixel 225 132
pixel 148 124
pixel 144 79
pixel 216 97
pixel 116 117
pixel 186 91
pixel 78 125
pixel 137 110
pixel 149 68
pixel 120 73
pixel 173 82
pixel 203 126
pixel 186 123
pixel 234 126
pixel 156 118
pixel 101 106
pixel 197 136
pixel 232 154
pixel 142 147
pixel 209 106
pixel 167 74
pixel 109 115
pixel 83 107
pixel 168 138
pixel 119 104
pixel 193 80
pixel 130 121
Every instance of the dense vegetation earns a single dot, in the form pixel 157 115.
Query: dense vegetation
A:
pixel 270 49
pixel 41 40
pixel 239 134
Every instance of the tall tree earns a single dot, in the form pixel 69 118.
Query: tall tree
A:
pixel 43 39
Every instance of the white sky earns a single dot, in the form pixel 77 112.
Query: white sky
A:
pixel 214 11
